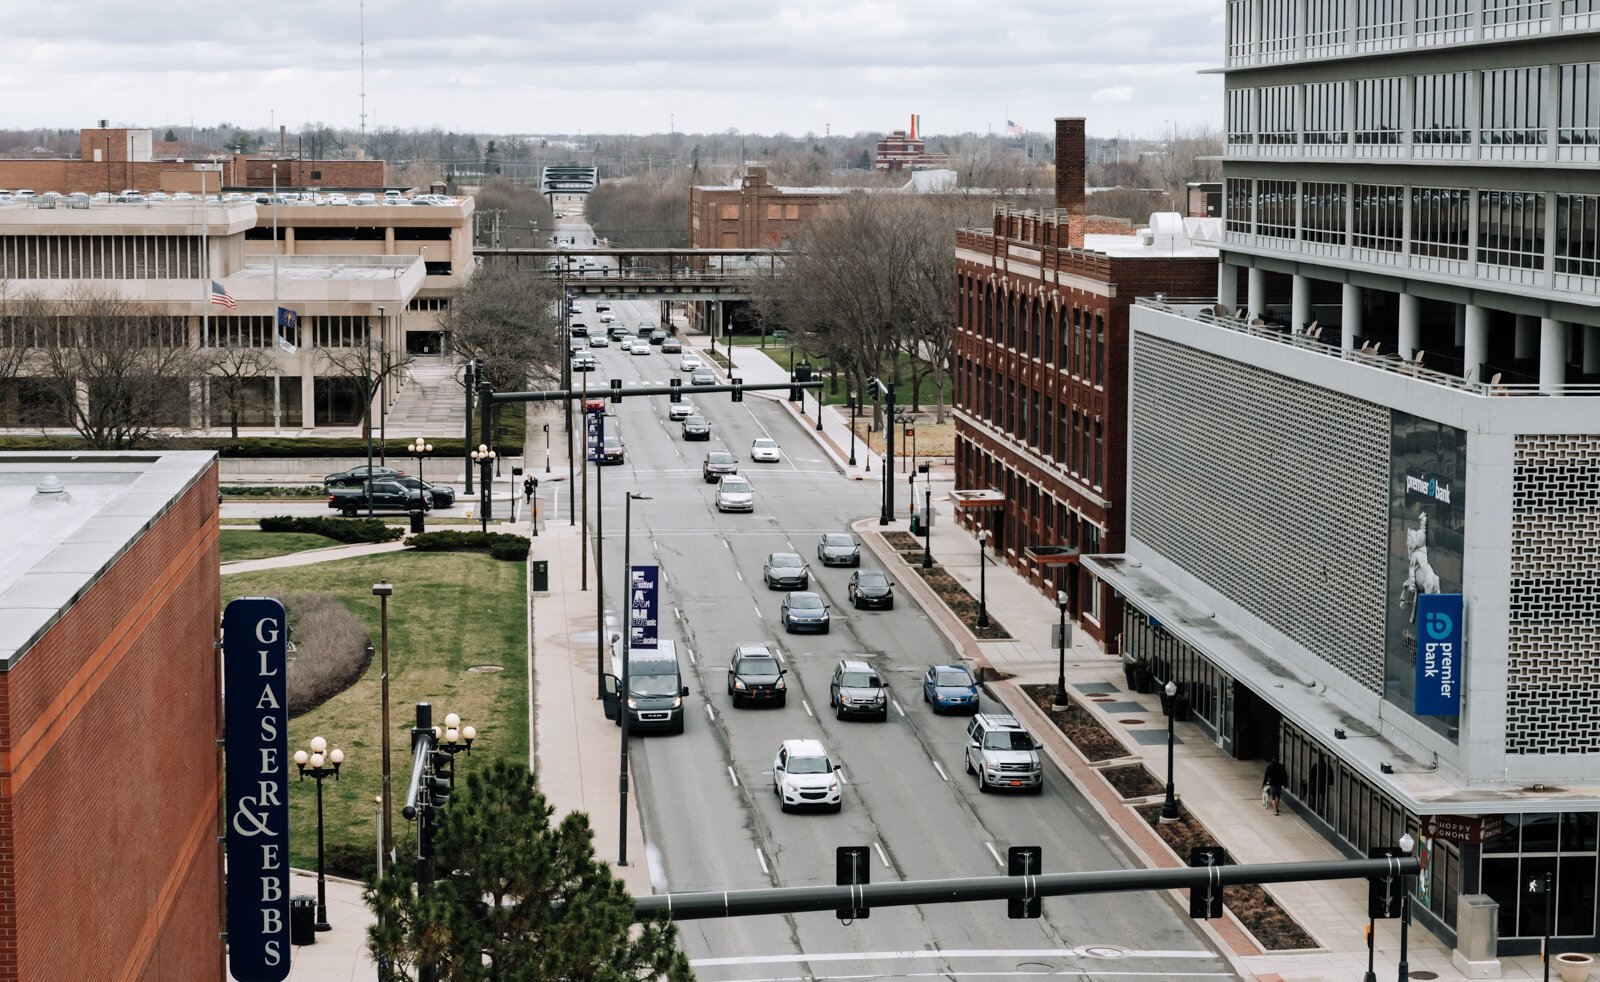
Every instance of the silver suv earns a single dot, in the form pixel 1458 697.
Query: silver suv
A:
pixel 857 690
pixel 1003 754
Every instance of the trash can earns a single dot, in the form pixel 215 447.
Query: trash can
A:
pixel 541 576
pixel 302 919
pixel 916 524
pixel 416 519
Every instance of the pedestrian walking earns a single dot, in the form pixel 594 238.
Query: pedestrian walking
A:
pixel 527 490
pixel 1276 777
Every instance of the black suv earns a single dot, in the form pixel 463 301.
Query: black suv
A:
pixel 697 428
pixel 754 675
pixel 718 463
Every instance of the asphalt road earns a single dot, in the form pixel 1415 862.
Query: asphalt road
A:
pixel 706 795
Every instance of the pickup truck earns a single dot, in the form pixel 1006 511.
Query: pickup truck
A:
pixel 385 495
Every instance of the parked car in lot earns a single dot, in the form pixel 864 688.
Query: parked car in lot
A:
pixel 786 570
pixel 701 376
pixel 754 675
pixel 677 412
pixel 839 549
pixel 355 475
pixel 803 775
pixel 857 690
pixel 1003 754
pixel 382 495
pixel 689 362
pixel 765 449
pixel 804 611
pixel 870 588
pixel 718 464
pixel 734 493
pixel 696 428
pixel 950 687
pixel 671 346
pixel 443 496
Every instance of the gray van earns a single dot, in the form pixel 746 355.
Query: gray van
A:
pixel 655 688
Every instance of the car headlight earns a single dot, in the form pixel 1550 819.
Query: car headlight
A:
pixel 992 768
pixel 833 785
pixel 632 704
pixel 677 701
pixel 780 684
pixel 738 683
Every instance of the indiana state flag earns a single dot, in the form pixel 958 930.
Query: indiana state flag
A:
pixel 288 327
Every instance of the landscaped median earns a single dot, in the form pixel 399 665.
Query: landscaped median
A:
pixel 950 592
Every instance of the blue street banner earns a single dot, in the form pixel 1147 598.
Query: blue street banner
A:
pixel 1439 654
pixel 594 428
pixel 254 666
pixel 643 606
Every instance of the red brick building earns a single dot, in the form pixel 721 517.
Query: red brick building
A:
pixel 110 866
pixel 752 214
pixel 902 150
pixel 1041 368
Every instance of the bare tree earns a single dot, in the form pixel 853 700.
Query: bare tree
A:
pixel 1194 154
pixel 638 213
pixel 117 373
pixel 368 369
pixel 509 317
pixel 232 368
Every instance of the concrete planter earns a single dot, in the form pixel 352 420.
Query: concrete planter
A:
pixel 1574 966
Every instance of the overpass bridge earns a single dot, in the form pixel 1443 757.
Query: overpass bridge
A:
pixel 664 274
pixel 568 179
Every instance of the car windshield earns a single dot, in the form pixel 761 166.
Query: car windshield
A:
pixel 804 601
pixel 785 559
pixel 809 765
pixel 735 487
pixel 757 666
pixel 766 444
pixel 838 539
pixel 872 579
pixel 719 457
pixel 696 421
pixel 961 679
pixel 859 680
pixel 1007 740
pixel 653 685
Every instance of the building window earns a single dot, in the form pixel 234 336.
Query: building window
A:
pixel 1562 844
pixel 1439 109
pixel 1379 220
pixel 1511 229
pixel 1275 207
pixel 1434 16
pixel 1439 222
pixel 1378 110
pixel 1324 112
pixel 1236 210
pixel 1580 104
pixel 1099 350
pixel 1241 128
pixel 1577 231
pixel 1377 20
pixel 1278 29
pixel 1322 207
pixel 1580 6
pixel 1497 12
pixel 1513 106
pixel 329 331
pixel 1241 30
pixel 1277 114
pixel 1325 23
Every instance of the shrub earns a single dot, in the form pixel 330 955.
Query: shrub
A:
pixel 331 651
pixel 338 529
pixel 509 443
pixel 500 545
pixel 351 860
pixel 510 551
pixel 278 491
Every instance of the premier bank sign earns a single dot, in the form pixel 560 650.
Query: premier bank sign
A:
pixel 254 663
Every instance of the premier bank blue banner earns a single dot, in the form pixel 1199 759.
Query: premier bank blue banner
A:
pixel 1439 654
pixel 643 606
pixel 254 662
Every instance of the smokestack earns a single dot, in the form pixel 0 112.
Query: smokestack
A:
pixel 1070 166
pixel 283 140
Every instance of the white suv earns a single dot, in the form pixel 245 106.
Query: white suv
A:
pixel 1003 754
pixel 803 776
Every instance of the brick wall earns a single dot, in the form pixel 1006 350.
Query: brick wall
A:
pixel 1070 166
pixel 111 771
pixel 90 177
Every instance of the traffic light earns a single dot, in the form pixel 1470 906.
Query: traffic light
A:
pixel 911 431
pixel 738 388
pixel 1206 902
pixel 852 866
pixel 1024 861
pixel 677 390
pixel 616 390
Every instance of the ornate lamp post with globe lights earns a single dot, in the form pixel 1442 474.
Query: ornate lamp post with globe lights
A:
pixel 318 764
pixel 454 740
pixel 484 457
pixel 420 450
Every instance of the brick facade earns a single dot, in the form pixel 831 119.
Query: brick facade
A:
pixel 754 215
pixel 109 863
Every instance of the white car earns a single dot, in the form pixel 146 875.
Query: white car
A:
pixel 689 362
pixel 640 347
pixel 765 450
pixel 734 493
pixel 607 317
pixel 576 307
pixel 679 411
pixel 804 776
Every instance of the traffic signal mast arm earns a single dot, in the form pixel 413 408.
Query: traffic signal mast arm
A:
pixel 560 395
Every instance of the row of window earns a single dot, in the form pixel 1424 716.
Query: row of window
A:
pixel 336 401
pixel 1512 109
pixel 102 257
pixel 1073 338
pixel 1510 225
pixel 244 331
pixel 1274 28
pixel 1055 429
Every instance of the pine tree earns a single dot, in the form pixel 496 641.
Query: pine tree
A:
pixel 517 899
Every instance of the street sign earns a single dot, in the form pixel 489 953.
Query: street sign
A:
pixel 1466 829
pixel 1383 892
pixel 254 667
pixel 1439 653
pixel 852 866
pixel 1055 636
pixel 643 606
pixel 1024 861
pixel 594 429
pixel 1206 902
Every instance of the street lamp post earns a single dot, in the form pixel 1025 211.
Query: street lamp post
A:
pixel 983 582
pixel 547 448
pixel 852 428
pixel 383 591
pixel 1061 650
pixel 318 764
pixel 484 458
pixel 456 739
pixel 622 708
pixel 1169 807
pixel 1406 842
pixel 927 525
pixel 419 449
pixel 1540 886
pixel 820 393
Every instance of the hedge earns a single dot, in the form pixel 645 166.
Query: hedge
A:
pixel 277 491
pixel 501 545
pixel 338 529
pixel 272 446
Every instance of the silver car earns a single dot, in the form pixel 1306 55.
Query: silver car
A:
pixel 1003 754
pixel 734 493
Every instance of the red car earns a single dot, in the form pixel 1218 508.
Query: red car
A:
pixel 594 405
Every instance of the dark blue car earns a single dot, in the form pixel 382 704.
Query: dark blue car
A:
pixel 950 687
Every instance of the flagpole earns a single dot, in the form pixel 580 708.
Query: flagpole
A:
pixel 205 307
pixel 277 409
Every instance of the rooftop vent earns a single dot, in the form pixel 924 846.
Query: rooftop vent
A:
pixel 50 493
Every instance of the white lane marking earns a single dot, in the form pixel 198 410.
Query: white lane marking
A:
pixel 842 778
pixel 691 653
pixel 654 547
pixel 729 545
pixel 896 704
pixel 734 776
pixel 763 861
pixel 779 654
pixel 808 709
pixel 1007 954
pixel 758 609
pixel 658 872
pixel 993 852
pixel 739 575
pixel 881 854
pixel 677 613
pixel 711 713
pixel 942 775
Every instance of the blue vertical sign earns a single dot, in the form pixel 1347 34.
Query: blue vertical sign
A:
pixel 643 606
pixel 254 663
pixel 1439 655
pixel 594 428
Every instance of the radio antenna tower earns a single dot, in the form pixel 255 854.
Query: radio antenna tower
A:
pixel 363 73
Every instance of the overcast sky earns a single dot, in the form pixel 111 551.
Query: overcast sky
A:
pixel 618 66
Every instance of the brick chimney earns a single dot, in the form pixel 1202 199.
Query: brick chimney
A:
pixel 1070 165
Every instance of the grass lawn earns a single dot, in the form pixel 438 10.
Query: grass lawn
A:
pixel 450 611
pixel 260 545
pixel 837 392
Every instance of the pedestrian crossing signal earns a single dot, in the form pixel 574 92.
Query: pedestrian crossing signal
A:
pixel 677 390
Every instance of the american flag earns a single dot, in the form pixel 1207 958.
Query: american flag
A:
pixel 220 294
pixel 1013 128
